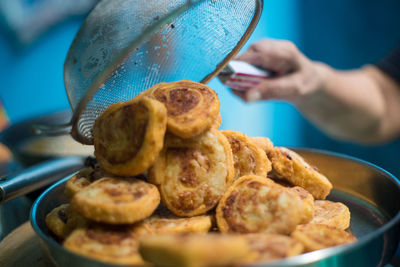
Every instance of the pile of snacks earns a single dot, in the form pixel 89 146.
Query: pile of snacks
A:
pixel 173 190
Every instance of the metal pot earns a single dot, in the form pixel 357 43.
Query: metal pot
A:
pixel 40 161
pixel 371 193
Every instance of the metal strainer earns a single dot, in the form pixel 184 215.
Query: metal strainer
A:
pixel 127 46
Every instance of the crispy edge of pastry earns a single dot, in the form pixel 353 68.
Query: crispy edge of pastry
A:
pixel 156 174
pixel 62 220
pixel 130 201
pixel 56 221
pixel 308 203
pixel 331 213
pixel 320 236
pixel 152 141
pixel 264 143
pixel 269 247
pixel 260 159
pixel 194 250
pixel 174 225
pixel 106 243
pixel 291 202
pixel 289 165
pixel 78 181
pixel 187 124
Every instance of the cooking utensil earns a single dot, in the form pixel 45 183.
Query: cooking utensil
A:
pixel 48 158
pixel 372 194
pixel 126 46
pixel 29 149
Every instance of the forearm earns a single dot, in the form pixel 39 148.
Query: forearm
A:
pixel 358 105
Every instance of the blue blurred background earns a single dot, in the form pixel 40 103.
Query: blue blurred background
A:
pixel 343 33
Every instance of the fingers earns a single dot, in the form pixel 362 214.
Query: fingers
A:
pixel 283 88
pixel 278 56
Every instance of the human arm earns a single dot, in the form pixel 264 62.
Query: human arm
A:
pixel 361 105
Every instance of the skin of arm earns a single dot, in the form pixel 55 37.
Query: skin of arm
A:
pixel 361 105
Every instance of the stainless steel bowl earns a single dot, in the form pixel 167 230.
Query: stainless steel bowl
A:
pixel 371 193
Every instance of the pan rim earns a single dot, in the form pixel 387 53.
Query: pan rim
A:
pixel 300 259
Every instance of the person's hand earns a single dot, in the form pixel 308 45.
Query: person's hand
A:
pixel 295 75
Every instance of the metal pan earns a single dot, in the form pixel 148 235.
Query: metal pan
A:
pixel 371 193
pixel 44 159
pixel 29 148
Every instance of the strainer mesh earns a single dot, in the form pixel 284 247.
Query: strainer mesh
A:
pixel 189 47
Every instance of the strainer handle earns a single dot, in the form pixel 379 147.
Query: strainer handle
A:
pixel 52 130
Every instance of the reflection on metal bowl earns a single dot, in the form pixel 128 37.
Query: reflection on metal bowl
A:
pixel 372 194
pixel 29 149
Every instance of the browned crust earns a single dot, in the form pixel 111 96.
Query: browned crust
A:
pixel 116 200
pixel 128 136
pixel 106 243
pixel 319 236
pixel 248 158
pixel 264 143
pixel 268 247
pixel 257 204
pixel 334 214
pixel 290 166
pixel 192 107
pixel 192 174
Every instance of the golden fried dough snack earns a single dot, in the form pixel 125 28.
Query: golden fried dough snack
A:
pixel 308 203
pixel 289 165
pixel 117 200
pixel 257 204
pixel 194 250
pixel 334 214
pixel 128 136
pixel 319 236
pixel 106 243
pixel 192 107
pixel 174 225
pixel 217 123
pixel 267 247
pixel 82 179
pixel 193 174
pixel 62 220
pixel 264 143
pixel 247 156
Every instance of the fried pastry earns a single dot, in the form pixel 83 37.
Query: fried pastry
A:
pixel 268 247
pixel 319 236
pixel 106 243
pixel 217 123
pixel 117 200
pixel 194 250
pixel 62 220
pixel 172 224
pixel 248 158
pixel 82 179
pixel 334 214
pixel 264 143
pixel 192 107
pixel 193 174
pixel 257 204
pixel 128 136
pixel 288 165
pixel 308 203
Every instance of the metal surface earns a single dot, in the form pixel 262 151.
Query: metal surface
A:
pixel 126 46
pixel 372 194
pixel 19 135
pixel 44 159
pixel 38 176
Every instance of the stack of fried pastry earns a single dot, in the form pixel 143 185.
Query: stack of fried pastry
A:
pixel 173 190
